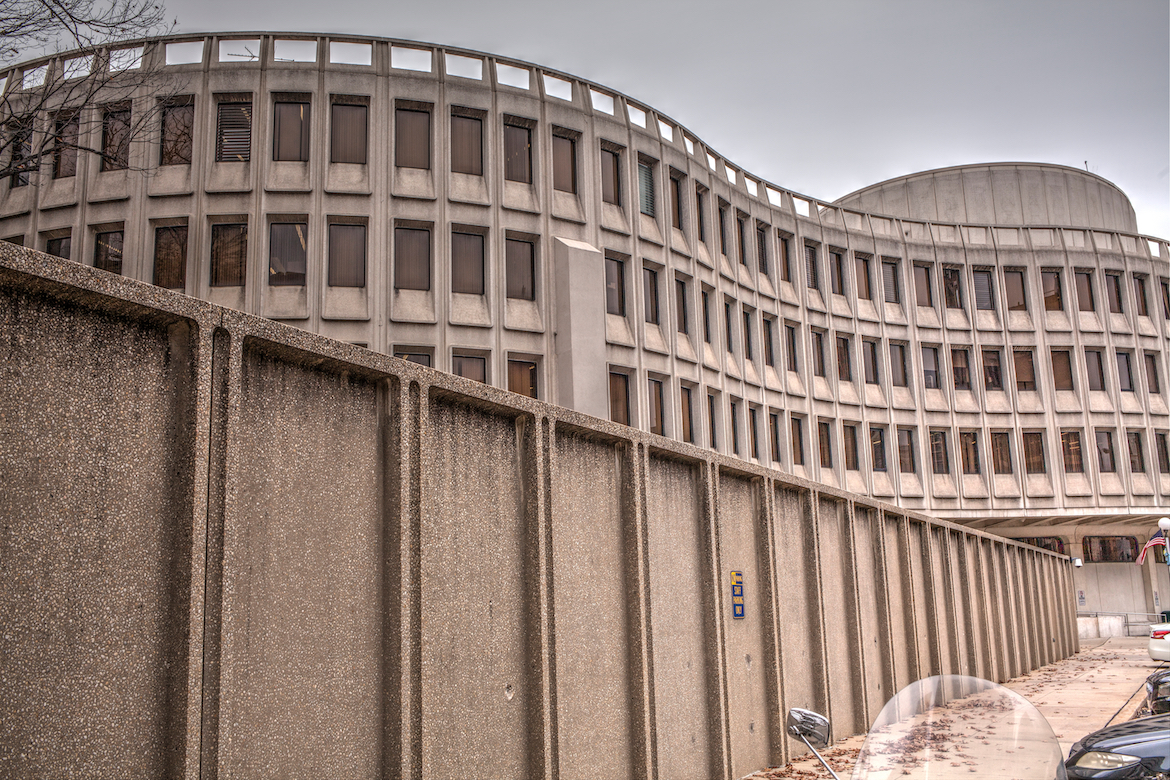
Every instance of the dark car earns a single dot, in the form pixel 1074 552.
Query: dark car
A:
pixel 1133 749
pixel 1157 694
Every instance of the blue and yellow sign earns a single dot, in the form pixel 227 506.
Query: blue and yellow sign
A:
pixel 737 595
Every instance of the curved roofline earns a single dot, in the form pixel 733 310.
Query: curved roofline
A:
pixel 976 166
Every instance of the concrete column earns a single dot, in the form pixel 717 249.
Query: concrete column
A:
pixel 582 381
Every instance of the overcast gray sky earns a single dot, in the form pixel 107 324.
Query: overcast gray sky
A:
pixel 829 96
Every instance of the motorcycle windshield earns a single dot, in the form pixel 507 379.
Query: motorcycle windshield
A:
pixel 951 726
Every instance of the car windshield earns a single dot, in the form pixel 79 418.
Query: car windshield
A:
pixel 959 727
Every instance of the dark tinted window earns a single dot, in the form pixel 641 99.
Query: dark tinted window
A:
pixel 116 138
pixel 611 191
pixel 565 164
pixel 518 154
pixel 107 251
pixel 467 145
pixel 287 253
pixel 412 138
pixel 615 286
pixel 65 146
pixel 520 262
pixel 619 398
pixel 170 257
pixel 348 142
pixel 229 252
pixel 1062 369
pixel 412 258
pixel 347 255
pixel 467 262
pixel 290 132
pixel 522 377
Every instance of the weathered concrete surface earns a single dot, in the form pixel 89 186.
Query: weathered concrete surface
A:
pixel 230 548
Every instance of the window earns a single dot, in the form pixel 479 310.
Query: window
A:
pixel 1139 296
pixel 930 372
pixel 969 451
pixel 735 427
pixel 705 298
pixel 229 253
pixel 520 269
pixel 1163 444
pixel 723 228
pixel 686 416
pixel 810 267
pixel 898 365
pixel 869 352
pixel 890 281
pixel 348 142
pixel 749 351
pixel 712 430
pixel 1013 282
pixel 844 360
pixel 564 158
pixel 786 261
pixel 650 295
pixel 1062 369
pixel 922 291
pixel 1125 372
pixel 22 161
pixel 615 286
pixel 728 325
pixel 837 272
pixel 1165 299
pixel 1153 384
pixel 467 261
pixel 116 138
pixel 701 212
pixel 518 153
pixel 1001 452
pixel 170 257
pixel 611 189
pixel 1053 543
pixel 62 246
pixel 861 270
pixel 774 429
pixel 818 352
pixel 940 459
pixel 646 188
pixel 1085 291
pixel 1025 370
pixel 984 301
pixel 797 431
pixel 619 398
pixel 753 431
pixel 877 446
pixel 287 253
pixel 65 137
pixel 466 144
pixel 849 433
pixel 107 251
pixel 469 367
pixel 762 248
pixel 412 138
pixel 1137 454
pixel 421 358
pixel 1110 549
pixel 1034 453
pixel 790 338
pixel 681 309
pixel 676 207
pixel 769 342
pixel 825 443
pixel 1053 297
pixel 656 424
pixel 1113 290
pixel 233 132
pixel 178 131
pixel 741 238
pixel 992 372
pixel 1105 458
pixel 1070 445
pixel 522 377
pixel 906 459
pixel 953 288
pixel 412 258
pixel 961 368
pixel 290 131
pixel 1096 369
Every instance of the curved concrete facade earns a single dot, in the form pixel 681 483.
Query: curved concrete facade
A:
pixel 658 269
pixel 1001 194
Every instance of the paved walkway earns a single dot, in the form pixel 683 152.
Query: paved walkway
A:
pixel 1101 684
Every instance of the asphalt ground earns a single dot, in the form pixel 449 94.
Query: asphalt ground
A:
pixel 1100 685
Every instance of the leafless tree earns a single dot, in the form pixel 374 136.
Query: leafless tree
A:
pixel 91 84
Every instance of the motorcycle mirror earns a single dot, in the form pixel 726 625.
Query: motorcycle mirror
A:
pixel 810 725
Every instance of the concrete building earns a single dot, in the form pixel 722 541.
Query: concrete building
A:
pixel 986 344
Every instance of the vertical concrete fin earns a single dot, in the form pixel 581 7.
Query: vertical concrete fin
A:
pixel 579 277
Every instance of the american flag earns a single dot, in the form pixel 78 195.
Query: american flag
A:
pixel 1158 539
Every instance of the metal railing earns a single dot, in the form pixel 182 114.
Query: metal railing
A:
pixel 1136 623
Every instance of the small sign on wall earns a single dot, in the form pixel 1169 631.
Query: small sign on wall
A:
pixel 737 595
pixel 1080 598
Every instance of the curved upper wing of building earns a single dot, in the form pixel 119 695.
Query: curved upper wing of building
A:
pixel 986 343
pixel 1005 193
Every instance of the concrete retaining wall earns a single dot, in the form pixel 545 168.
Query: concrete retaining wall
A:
pixel 233 549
